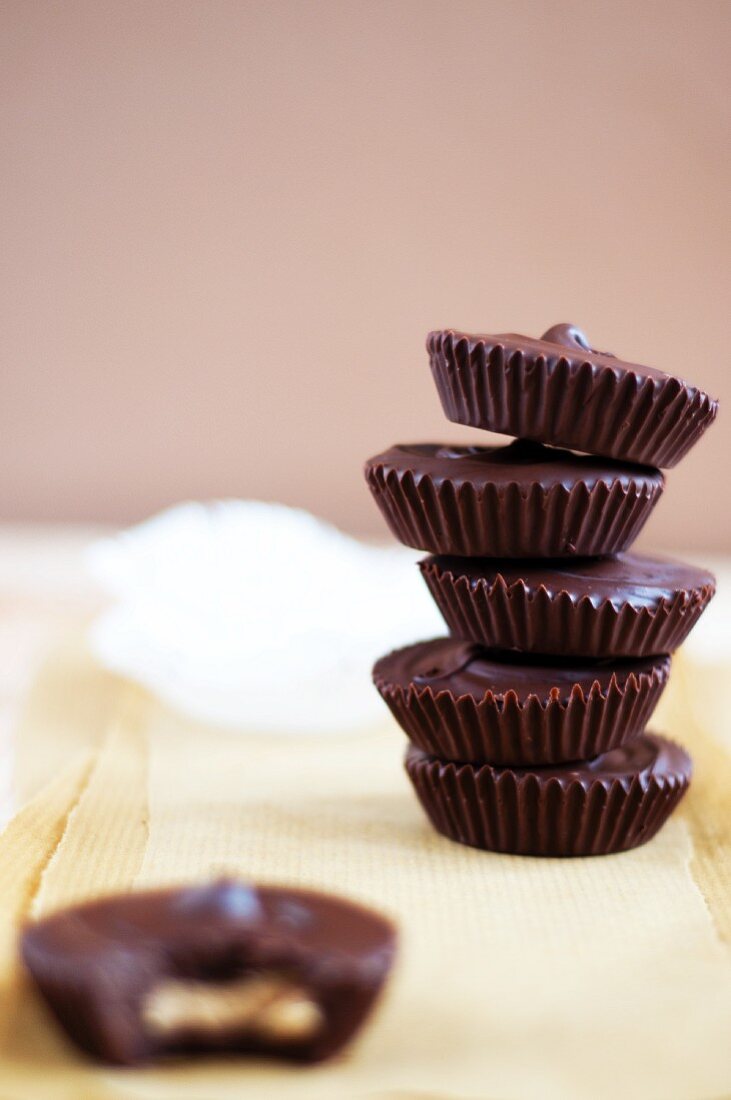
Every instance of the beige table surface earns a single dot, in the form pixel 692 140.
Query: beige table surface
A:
pixel 517 977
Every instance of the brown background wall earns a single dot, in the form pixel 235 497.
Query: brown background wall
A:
pixel 227 227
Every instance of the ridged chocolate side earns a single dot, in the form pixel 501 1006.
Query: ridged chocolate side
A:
pixel 600 409
pixel 508 731
pixel 554 523
pixel 510 617
pixel 524 814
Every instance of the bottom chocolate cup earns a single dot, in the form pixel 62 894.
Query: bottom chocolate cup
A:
pixel 614 802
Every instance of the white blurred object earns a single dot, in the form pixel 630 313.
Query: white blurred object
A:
pixel 709 643
pixel 257 616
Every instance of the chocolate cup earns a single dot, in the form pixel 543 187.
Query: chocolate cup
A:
pixel 626 606
pixel 615 802
pixel 521 500
pixel 564 394
pixel 495 710
pixel 97 965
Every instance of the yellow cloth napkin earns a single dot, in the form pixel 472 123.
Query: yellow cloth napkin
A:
pixel 517 978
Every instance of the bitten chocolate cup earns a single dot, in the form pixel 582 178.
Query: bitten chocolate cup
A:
pixel 459 702
pixel 225 967
pixel 628 605
pixel 521 500
pixel 615 802
pixel 558 390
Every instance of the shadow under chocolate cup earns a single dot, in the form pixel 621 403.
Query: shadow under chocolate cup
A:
pixel 612 803
pixel 627 605
pixel 521 500
pixel 461 703
pixel 560 391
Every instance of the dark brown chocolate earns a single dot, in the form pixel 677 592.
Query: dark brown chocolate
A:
pixel 623 606
pixel 225 967
pixel 520 500
pixel 609 804
pixel 558 390
pixel 459 702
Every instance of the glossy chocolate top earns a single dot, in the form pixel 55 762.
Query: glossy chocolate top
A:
pixel 461 668
pixel 521 463
pixel 644 756
pixel 633 579
pixel 193 922
pixel 563 341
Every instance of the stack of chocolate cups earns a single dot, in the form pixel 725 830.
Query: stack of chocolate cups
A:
pixel 527 723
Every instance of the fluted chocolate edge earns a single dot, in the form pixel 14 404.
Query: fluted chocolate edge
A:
pixel 513 617
pixel 601 409
pixel 505 730
pixel 524 815
pixel 447 518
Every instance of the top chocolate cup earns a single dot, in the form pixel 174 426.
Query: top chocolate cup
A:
pixel 559 390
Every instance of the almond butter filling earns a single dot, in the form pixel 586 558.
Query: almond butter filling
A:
pixel 267 1006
